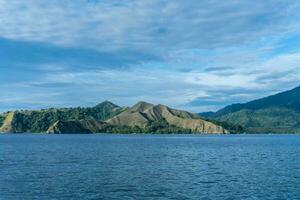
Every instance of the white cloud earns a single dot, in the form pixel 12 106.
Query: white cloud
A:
pixel 167 86
pixel 148 24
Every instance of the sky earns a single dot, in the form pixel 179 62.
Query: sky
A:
pixel 198 55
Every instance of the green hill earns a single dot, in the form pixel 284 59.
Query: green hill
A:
pixel 279 113
pixel 107 118
pixel 39 121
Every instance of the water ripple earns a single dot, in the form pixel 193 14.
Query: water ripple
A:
pixel 149 167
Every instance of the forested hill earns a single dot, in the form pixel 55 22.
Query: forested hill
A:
pixel 288 99
pixel 40 121
pixel 108 118
pixel 279 113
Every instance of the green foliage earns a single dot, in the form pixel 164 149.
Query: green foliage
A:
pixel 82 120
pixel 161 126
pixel 121 129
pixel 40 121
pixel 279 113
pixel 1 120
pixel 231 127
pixel 155 127
pixel 268 120
pixel 288 99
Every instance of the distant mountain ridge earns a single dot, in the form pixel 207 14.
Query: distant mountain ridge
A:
pixel 107 118
pixel 288 99
pixel 279 113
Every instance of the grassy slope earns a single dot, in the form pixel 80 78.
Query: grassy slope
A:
pixel 143 114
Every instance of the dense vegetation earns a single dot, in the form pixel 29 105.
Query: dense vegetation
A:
pixel 278 113
pixel 288 99
pixel 39 121
pixel 274 120
pixel 72 120
pixel 108 118
pixel 155 127
pixel 147 130
pixel 1 119
pixel 231 127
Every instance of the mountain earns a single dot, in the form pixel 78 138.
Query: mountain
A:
pixel 279 113
pixel 143 115
pixel 108 118
pixel 288 99
pixel 39 121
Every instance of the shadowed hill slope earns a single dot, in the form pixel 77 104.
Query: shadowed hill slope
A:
pixel 279 113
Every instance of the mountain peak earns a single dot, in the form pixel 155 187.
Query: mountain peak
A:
pixel 141 106
pixel 107 104
pixel 148 116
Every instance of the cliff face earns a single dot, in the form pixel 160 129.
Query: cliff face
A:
pixel 7 125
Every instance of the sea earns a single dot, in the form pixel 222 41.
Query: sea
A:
pixel 121 167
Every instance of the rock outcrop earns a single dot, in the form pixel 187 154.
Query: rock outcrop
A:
pixel 7 126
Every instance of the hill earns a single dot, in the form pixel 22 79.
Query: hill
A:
pixel 39 121
pixel 107 118
pixel 279 113
pixel 144 115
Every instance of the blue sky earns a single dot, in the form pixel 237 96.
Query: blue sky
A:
pixel 197 55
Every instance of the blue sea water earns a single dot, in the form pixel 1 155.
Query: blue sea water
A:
pixel 149 167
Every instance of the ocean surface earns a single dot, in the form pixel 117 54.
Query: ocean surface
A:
pixel 149 167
